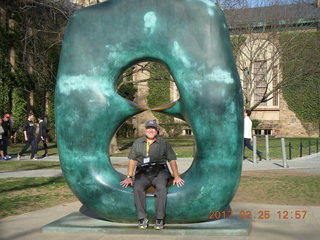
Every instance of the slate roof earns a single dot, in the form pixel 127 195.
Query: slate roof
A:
pixel 277 15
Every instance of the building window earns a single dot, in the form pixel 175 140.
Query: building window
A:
pixel 260 132
pixel 188 132
pixel 260 73
pixel 267 132
pixel 257 131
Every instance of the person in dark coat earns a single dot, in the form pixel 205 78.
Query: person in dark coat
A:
pixel 6 125
pixel 42 135
pixel 28 132
pixel 1 141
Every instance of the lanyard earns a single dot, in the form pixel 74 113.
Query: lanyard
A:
pixel 148 146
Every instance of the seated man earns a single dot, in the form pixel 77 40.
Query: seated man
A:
pixel 151 153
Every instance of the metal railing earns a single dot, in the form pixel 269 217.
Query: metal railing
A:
pixel 286 150
pixel 309 147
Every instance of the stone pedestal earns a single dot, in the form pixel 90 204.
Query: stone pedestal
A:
pixel 77 222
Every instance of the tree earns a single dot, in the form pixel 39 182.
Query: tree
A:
pixel 19 113
pixel 157 72
pixel 232 4
pixel 6 76
pixel 35 29
pixel 256 35
pixel 39 26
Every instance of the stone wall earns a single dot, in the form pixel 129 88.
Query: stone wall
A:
pixel 290 125
pixel 283 122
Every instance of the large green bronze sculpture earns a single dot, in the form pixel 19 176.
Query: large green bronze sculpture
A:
pixel 191 38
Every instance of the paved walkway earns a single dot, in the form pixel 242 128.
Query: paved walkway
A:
pixel 28 226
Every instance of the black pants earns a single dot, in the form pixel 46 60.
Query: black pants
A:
pixel 45 146
pixel 31 141
pixel 141 183
pixel 5 142
pixel 247 143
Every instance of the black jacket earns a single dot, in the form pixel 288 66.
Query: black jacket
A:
pixel 6 127
pixel 29 128
pixel 42 129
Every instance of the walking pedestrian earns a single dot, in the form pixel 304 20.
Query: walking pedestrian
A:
pixel 1 141
pixel 42 135
pixel 28 132
pixel 6 125
pixel 248 133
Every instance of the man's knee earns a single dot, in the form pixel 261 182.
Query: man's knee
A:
pixel 139 187
pixel 162 188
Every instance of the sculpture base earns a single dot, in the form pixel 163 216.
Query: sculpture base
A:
pixel 77 222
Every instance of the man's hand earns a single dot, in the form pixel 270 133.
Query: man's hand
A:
pixel 128 181
pixel 125 183
pixel 178 181
pixel 26 139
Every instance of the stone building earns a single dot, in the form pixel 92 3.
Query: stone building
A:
pixel 261 28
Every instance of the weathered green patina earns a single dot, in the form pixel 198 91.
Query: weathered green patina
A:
pixel 191 37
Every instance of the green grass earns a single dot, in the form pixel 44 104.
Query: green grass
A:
pixel 275 147
pixel 20 195
pixel 184 147
pixel 28 165
pixel 280 189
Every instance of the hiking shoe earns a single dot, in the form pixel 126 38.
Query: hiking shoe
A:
pixel 44 155
pixel 159 224
pixel 8 157
pixel 143 223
